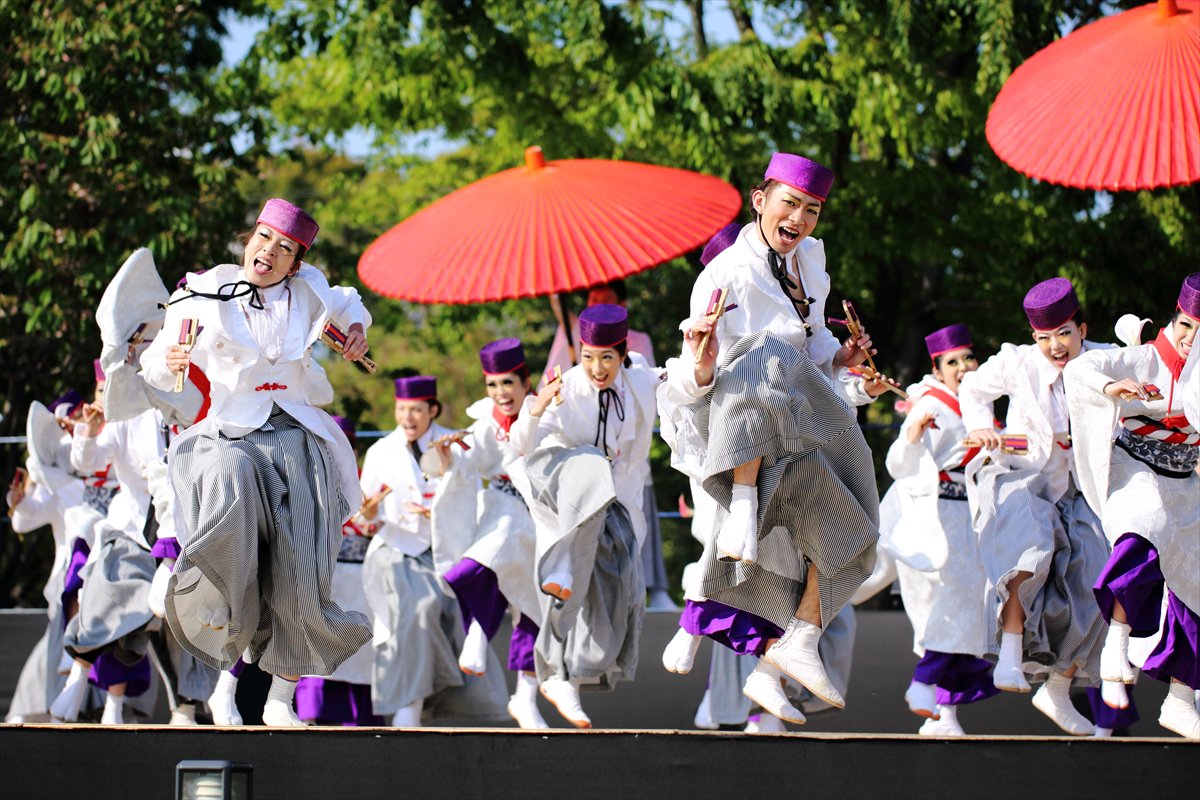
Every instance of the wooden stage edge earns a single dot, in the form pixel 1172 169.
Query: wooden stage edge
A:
pixel 50 761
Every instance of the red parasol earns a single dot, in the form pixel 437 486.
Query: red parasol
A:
pixel 1115 105
pixel 547 227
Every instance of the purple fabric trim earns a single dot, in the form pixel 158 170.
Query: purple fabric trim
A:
pixel 1133 578
pixel 72 583
pixel 166 547
pixel 960 678
pixel 107 671
pixel 478 595
pixel 1112 718
pixel 1175 655
pixel 238 666
pixel 520 646
pixel 336 702
pixel 742 632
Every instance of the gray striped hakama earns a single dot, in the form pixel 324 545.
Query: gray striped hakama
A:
pixel 817 499
pixel 114 603
pixel 1063 546
pixel 593 636
pixel 264 516
pixel 419 658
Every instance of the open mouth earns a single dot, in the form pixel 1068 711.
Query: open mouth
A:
pixel 505 406
pixel 261 267
pixel 1060 359
pixel 788 236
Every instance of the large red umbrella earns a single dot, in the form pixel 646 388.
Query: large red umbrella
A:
pixel 1114 105
pixel 547 227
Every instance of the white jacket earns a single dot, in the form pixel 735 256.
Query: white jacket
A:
pixel 244 384
pixel 390 462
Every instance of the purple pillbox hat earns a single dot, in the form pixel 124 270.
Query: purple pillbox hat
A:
pixel 952 337
pixel 72 400
pixel 1050 304
pixel 603 325
pixel 1189 295
pixel 292 221
pixel 346 425
pixel 418 387
pixel 98 369
pixel 502 356
pixel 801 173
pixel 719 242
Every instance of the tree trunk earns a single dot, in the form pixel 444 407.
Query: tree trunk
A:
pixel 697 9
pixel 741 16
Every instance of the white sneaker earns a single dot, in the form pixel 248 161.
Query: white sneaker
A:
pixel 680 653
pixel 565 697
pixel 114 710
pixel 223 701
pixel 764 688
pixel 1054 700
pixel 941 727
pixel 409 716
pixel 922 700
pixel 796 654
pixel 184 715
pixel 65 707
pixel 473 658
pixel 1179 714
pixel 1114 658
pixel 704 718
pixel 765 723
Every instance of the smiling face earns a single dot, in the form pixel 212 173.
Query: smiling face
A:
pixel 786 216
pixel 949 368
pixel 1061 344
pixel 601 365
pixel 507 391
pixel 414 417
pixel 270 256
pixel 1182 332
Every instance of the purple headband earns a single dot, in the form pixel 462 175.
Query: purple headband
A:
pixel 98 369
pixel 603 325
pixel 1051 304
pixel 502 356
pixel 1189 295
pixel 72 400
pixel 952 337
pixel 720 242
pixel 418 387
pixel 801 173
pixel 292 221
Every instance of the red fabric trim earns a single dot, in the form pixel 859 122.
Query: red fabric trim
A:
pixel 504 421
pixel 950 400
pixel 200 380
pixel 1168 353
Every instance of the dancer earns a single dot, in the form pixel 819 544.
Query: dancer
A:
pixel 937 553
pixel 756 414
pixel 583 477
pixel 489 530
pixel 418 628
pixel 1146 486
pixel 266 466
pixel 1041 542
pixel 344 697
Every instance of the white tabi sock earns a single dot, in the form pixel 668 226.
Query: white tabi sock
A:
pixel 472 660
pixel 278 711
pixel 66 706
pixel 1008 673
pixel 223 701
pixel 1179 713
pixel 1054 700
pixel 114 710
pixel 1114 694
pixel 1114 658
pixel 738 539
pixel 409 716
pixel 680 653
pixel 522 706
pixel 1103 733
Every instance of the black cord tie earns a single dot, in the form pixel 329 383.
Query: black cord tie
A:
pixel 229 291
pixel 608 398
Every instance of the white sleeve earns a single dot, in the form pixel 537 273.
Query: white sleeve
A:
pixel 981 388
pixel 526 433
pixel 35 510
pixel 92 453
pixel 154 358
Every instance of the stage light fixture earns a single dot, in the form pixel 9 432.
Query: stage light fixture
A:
pixel 214 780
